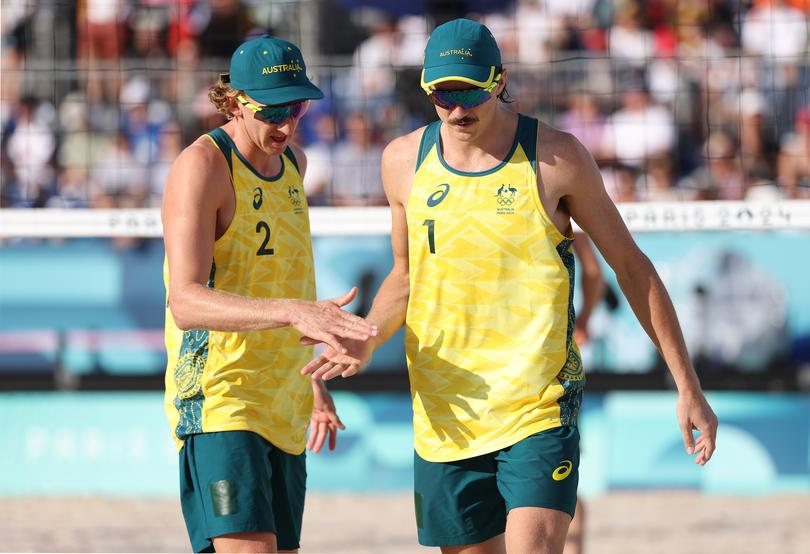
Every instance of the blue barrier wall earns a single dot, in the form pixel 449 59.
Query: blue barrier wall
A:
pixel 118 443
pixel 741 297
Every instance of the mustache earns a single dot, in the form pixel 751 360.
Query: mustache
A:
pixel 462 120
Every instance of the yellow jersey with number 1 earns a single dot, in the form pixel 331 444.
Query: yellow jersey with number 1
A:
pixel 249 381
pixel 490 316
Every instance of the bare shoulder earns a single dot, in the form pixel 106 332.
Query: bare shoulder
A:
pixel 403 150
pixel 563 161
pixel 200 169
pixel 399 166
pixel 201 157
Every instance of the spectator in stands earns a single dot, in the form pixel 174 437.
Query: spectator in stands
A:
pixel 321 160
pixel 72 187
pixel 775 30
pixel 169 146
pixel 30 144
pixel 794 158
pixel 584 120
pixel 628 39
pixel 148 28
pixel 356 173
pixel 118 179
pixel 640 130
pixel 721 175
pixel 370 82
pixel 620 183
pixel 758 147
pixel 227 22
pixel 657 183
pixel 101 33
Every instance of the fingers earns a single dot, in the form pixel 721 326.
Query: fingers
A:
pixel 310 438
pixel 332 437
pixel 341 301
pixel 338 423
pixel 314 364
pixel 705 446
pixel 330 340
pixel 308 341
pixel 688 439
pixel 337 369
pixel 316 368
pixel 323 431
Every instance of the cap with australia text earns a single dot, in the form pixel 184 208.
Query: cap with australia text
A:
pixel 272 71
pixel 461 50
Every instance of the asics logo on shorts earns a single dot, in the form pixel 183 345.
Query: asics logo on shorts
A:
pixel 563 471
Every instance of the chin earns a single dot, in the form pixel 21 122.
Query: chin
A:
pixel 465 133
pixel 272 147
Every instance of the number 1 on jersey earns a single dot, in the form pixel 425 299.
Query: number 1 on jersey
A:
pixel 431 235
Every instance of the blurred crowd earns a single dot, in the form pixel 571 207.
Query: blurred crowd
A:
pixel 676 99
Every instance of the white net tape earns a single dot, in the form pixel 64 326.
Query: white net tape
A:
pixel 639 217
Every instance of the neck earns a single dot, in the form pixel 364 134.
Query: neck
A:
pixel 486 149
pixel 265 163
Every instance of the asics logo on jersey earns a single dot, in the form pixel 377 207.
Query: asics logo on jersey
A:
pixel 257 198
pixel 506 195
pixel 563 471
pixel 436 198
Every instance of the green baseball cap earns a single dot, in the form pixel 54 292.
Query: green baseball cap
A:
pixel 272 71
pixel 461 50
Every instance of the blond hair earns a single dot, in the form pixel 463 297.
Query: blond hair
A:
pixel 221 95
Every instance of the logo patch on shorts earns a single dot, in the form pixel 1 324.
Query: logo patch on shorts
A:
pixel 563 471
pixel 223 498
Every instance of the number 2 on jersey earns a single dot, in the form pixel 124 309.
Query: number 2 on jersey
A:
pixel 262 226
pixel 431 235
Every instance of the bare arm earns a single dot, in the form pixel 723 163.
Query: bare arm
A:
pixel 196 195
pixel 578 182
pixel 593 285
pixel 391 302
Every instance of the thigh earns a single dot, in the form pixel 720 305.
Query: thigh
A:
pixel 226 486
pixel 536 531
pixel 457 503
pixel 541 471
pixel 245 542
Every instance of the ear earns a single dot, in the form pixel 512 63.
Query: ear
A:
pixel 233 107
pixel 501 83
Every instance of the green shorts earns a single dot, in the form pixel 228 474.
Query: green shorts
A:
pixel 235 482
pixel 466 501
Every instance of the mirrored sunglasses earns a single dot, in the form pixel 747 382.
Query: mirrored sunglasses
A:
pixel 276 115
pixel 467 99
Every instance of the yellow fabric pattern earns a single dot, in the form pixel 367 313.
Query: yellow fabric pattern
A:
pixel 488 336
pixel 224 381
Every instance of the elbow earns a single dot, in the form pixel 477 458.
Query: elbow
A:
pixel 180 313
pixel 636 265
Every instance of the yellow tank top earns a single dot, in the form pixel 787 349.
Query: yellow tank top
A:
pixel 224 381
pixel 490 315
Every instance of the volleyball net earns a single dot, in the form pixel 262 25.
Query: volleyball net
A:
pixel 79 305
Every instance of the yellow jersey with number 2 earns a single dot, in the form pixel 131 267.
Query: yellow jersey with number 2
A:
pixel 249 381
pixel 490 316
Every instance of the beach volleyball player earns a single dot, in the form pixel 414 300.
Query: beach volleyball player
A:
pixel 241 297
pixel 482 202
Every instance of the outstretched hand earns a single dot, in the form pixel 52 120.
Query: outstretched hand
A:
pixel 694 412
pixel 331 363
pixel 324 321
